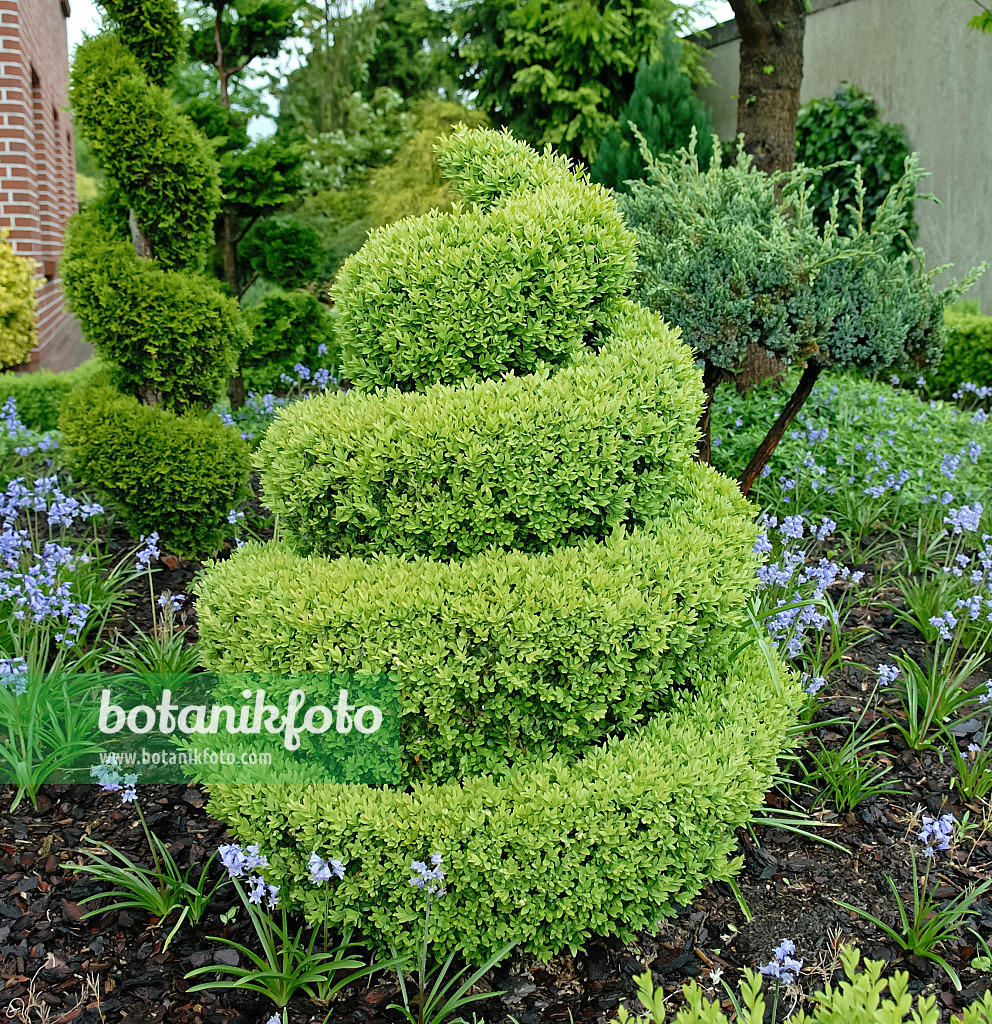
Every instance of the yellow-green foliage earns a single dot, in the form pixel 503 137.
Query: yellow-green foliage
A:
pixel 588 716
pixel 967 354
pixel 551 853
pixel 156 157
pixel 178 475
pixel 579 641
pixel 523 281
pixel 18 334
pixel 860 999
pixel 170 333
pixel 413 183
pixel 525 463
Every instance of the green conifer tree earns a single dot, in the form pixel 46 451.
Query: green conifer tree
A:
pixel 663 108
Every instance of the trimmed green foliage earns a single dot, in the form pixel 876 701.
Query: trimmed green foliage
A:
pixel 18 334
pixel 586 717
pixel 167 336
pixel 152 30
pixel 40 395
pixel 159 161
pixel 286 328
pixel 967 355
pixel 522 463
pixel 523 284
pixel 505 658
pixel 551 853
pixel 849 127
pixel 179 475
pixel 284 252
pixel 664 109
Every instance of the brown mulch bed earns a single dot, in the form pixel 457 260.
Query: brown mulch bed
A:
pixel 112 967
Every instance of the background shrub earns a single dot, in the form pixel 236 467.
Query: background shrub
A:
pixel 166 337
pixel 287 328
pixel 40 394
pixel 967 354
pixel 524 463
pixel 664 109
pixel 18 333
pixel 525 283
pixel 152 153
pixel 850 127
pixel 284 251
pixel 179 475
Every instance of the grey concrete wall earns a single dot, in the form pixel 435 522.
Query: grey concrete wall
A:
pixel 928 71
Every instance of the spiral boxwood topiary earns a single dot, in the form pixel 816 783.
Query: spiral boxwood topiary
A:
pixel 586 717
pixel 523 280
pixel 177 475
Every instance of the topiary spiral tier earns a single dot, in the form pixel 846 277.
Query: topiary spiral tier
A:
pixel 560 590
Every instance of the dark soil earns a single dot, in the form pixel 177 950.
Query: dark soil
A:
pixel 112 967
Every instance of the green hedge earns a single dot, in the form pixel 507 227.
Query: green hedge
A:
pixel 523 284
pixel 286 328
pixel 550 854
pixel 178 475
pixel 40 395
pixel 168 337
pixel 524 463
pixel 505 657
pixel 967 354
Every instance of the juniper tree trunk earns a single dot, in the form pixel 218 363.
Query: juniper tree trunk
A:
pixel 771 72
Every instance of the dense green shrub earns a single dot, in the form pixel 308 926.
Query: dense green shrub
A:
pixel 552 853
pixel 592 704
pixel 40 395
pixel 154 155
pixel 664 109
pixel 579 642
pixel 967 355
pixel 524 283
pixel 287 328
pixel 523 463
pixel 284 251
pixel 18 334
pixel 167 337
pixel 177 475
pixel 849 127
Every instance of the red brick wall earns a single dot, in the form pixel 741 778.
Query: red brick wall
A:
pixel 37 161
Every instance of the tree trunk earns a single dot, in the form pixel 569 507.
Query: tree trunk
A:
pixel 777 430
pixel 141 244
pixel 771 72
pixel 713 377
